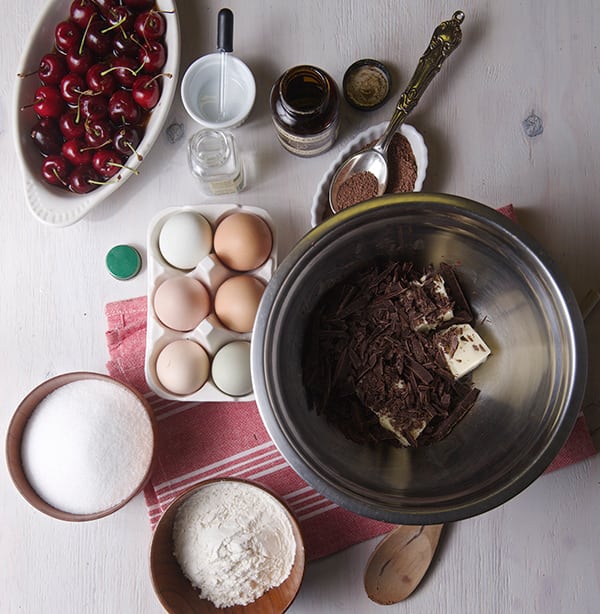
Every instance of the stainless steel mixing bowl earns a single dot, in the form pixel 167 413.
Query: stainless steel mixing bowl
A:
pixel 531 387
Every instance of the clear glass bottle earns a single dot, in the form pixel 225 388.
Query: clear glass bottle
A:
pixel 305 110
pixel 214 160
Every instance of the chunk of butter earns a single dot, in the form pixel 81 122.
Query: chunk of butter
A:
pixel 415 430
pixel 463 349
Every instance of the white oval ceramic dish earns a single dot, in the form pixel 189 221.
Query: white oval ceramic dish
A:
pixel 209 333
pixel 320 204
pixel 53 205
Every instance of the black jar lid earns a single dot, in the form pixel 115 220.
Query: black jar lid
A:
pixel 366 84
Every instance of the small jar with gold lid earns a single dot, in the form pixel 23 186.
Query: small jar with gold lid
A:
pixel 305 110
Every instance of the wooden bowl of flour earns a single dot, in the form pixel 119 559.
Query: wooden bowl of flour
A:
pixel 176 591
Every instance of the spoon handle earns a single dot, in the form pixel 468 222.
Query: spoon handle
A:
pixel 446 38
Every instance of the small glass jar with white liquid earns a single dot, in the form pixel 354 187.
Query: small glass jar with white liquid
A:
pixel 215 161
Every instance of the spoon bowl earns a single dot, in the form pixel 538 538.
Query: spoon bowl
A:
pixel 400 561
pixel 446 37
pixel 368 160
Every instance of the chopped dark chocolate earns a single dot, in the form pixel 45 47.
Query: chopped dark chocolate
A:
pixel 370 365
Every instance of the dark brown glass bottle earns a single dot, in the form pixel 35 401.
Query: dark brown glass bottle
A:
pixel 305 110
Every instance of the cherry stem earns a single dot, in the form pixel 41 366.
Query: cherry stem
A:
pixel 87 27
pixel 22 75
pixel 57 175
pixel 134 150
pixel 32 104
pixel 133 170
pixel 137 42
pixel 113 180
pixel 164 74
pixel 97 146
pixel 115 25
pixel 131 70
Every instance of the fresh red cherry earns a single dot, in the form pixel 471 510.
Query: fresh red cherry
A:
pixel 153 56
pixel 72 87
pixel 139 5
pixel 78 62
pixel 76 152
pixel 100 79
pixel 52 69
pixel 125 44
pixel 98 133
pixel 84 179
pixel 122 108
pixel 126 140
pixel 106 5
pixel 67 36
pixel 71 125
pixel 82 11
pixel 97 40
pixel 150 25
pixel 146 91
pixel 56 170
pixel 48 102
pixel 126 70
pixel 47 136
pixel 107 162
pixel 94 106
pixel 120 17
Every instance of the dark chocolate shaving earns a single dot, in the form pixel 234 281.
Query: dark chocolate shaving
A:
pixel 370 361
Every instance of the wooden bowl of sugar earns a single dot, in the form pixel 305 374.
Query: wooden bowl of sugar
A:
pixel 80 446
pixel 227 545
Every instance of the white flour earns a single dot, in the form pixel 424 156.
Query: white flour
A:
pixel 234 542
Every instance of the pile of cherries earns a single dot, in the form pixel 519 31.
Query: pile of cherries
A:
pixel 98 86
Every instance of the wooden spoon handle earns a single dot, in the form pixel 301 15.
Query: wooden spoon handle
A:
pixel 399 562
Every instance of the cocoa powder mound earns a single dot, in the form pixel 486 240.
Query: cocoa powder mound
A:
pixel 402 175
pixel 356 189
pixel 402 166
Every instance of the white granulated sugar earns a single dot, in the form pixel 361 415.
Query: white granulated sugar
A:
pixel 234 542
pixel 87 446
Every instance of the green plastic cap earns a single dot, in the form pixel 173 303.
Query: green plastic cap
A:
pixel 123 261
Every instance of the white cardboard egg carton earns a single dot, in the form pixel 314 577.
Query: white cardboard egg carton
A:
pixel 210 333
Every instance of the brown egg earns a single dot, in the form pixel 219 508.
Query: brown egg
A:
pixel 181 303
pixel 236 302
pixel 243 241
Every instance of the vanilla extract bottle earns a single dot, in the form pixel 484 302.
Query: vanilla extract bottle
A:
pixel 305 110
pixel 213 158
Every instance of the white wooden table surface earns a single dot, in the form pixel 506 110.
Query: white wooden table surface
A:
pixel 540 552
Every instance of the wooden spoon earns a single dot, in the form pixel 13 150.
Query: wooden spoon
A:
pixel 400 561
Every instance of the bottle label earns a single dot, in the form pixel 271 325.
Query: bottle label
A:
pixel 226 186
pixel 307 144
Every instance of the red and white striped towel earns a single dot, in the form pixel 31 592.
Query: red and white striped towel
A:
pixel 204 440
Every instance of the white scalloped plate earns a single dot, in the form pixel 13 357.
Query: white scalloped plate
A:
pixel 52 205
pixel 320 203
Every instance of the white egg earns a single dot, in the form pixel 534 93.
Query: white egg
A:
pixel 184 239
pixel 231 369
